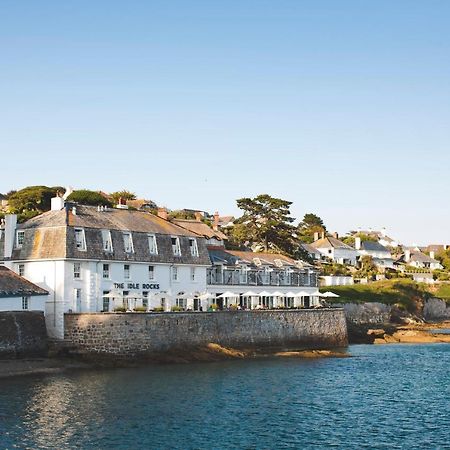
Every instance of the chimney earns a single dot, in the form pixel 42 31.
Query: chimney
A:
pixel 198 216
pixel 322 234
pixel 69 190
pixel 432 254
pixel 316 236
pixel 10 234
pixel 407 255
pixel 335 235
pixel 216 222
pixel 162 213
pixel 357 243
pixel 74 210
pixel 57 203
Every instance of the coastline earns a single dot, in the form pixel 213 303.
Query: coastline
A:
pixel 414 333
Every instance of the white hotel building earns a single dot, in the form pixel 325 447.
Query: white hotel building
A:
pixel 93 259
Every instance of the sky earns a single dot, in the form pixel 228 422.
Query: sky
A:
pixel 342 107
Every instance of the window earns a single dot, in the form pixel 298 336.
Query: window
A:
pixel 192 273
pixel 106 271
pixel 20 236
pixel 174 273
pixel 152 246
pixel 105 302
pixel 193 246
pixel 107 241
pixel 126 271
pixel 151 272
pixel 145 299
pixel 77 270
pixel 181 303
pixel 176 246
pixel 25 302
pixel 80 240
pixel 21 269
pixel 128 243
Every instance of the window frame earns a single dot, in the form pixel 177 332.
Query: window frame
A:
pixel 151 273
pixel 193 248
pixel 174 274
pixel 21 269
pixel 131 247
pixel 127 271
pixel 176 248
pixel 107 241
pixel 152 238
pixel 106 270
pixel 20 240
pixel 75 277
pixel 83 247
pixel 193 274
pixel 25 302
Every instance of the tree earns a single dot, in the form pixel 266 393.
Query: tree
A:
pixel 124 195
pixel 444 258
pixel 32 200
pixel 266 223
pixel 310 224
pixel 367 267
pixel 86 197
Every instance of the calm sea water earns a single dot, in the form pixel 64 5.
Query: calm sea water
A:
pixel 383 397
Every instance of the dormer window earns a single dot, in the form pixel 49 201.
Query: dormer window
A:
pixel 107 241
pixel 20 237
pixel 128 243
pixel 176 249
pixel 193 246
pixel 80 239
pixel 152 246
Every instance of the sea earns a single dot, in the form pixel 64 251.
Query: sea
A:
pixel 381 397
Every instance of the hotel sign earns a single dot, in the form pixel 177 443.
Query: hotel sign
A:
pixel 136 286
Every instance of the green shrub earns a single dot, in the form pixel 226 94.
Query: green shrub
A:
pixel 120 309
pixel 158 309
pixel 86 197
pixel 176 308
pixel 140 309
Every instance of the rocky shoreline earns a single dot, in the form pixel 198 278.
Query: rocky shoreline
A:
pixel 390 333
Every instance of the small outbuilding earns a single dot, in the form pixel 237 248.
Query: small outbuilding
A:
pixel 19 294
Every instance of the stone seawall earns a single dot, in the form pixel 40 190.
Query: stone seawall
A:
pixel 146 334
pixel 436 309
pixel 22 333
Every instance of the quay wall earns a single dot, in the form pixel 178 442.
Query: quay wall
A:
pixel 22 333
pixel 146 334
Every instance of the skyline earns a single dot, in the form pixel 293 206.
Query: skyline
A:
pixel 342 109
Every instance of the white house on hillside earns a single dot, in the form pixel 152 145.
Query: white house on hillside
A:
pixel 381 255
pixel 336 250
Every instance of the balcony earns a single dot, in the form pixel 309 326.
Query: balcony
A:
pixel 236 277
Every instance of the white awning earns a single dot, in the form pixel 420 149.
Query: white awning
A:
pixel 228 294
pixel 250 294
pixel 278 294
pixel 303 294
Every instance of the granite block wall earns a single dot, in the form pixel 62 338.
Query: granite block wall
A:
pixel 134 334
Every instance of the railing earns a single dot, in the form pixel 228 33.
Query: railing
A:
pixel 230 277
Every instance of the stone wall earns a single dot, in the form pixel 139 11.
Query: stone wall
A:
pixel 436 309
pixel 144 334
pixel 22 333
pixel 367 313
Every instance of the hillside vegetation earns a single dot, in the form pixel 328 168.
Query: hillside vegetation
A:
pixel 403 292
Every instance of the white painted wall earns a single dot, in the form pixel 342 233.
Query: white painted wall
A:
pixel 330 280
pixel 35 303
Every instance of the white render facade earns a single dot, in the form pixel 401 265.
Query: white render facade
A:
pixel 145 261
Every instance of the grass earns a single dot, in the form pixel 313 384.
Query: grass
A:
pixel 443 291
pixel 398 291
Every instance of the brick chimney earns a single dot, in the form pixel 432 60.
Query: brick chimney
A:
pixel 216 221
pixel 198 216
pixel 162 212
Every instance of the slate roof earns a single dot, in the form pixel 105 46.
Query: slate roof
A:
pixel 200 228
pixel 330 241
pixel 49 237
pixel 13 285
pixel 372 246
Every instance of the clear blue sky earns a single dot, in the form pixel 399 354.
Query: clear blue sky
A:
pixel 342 107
